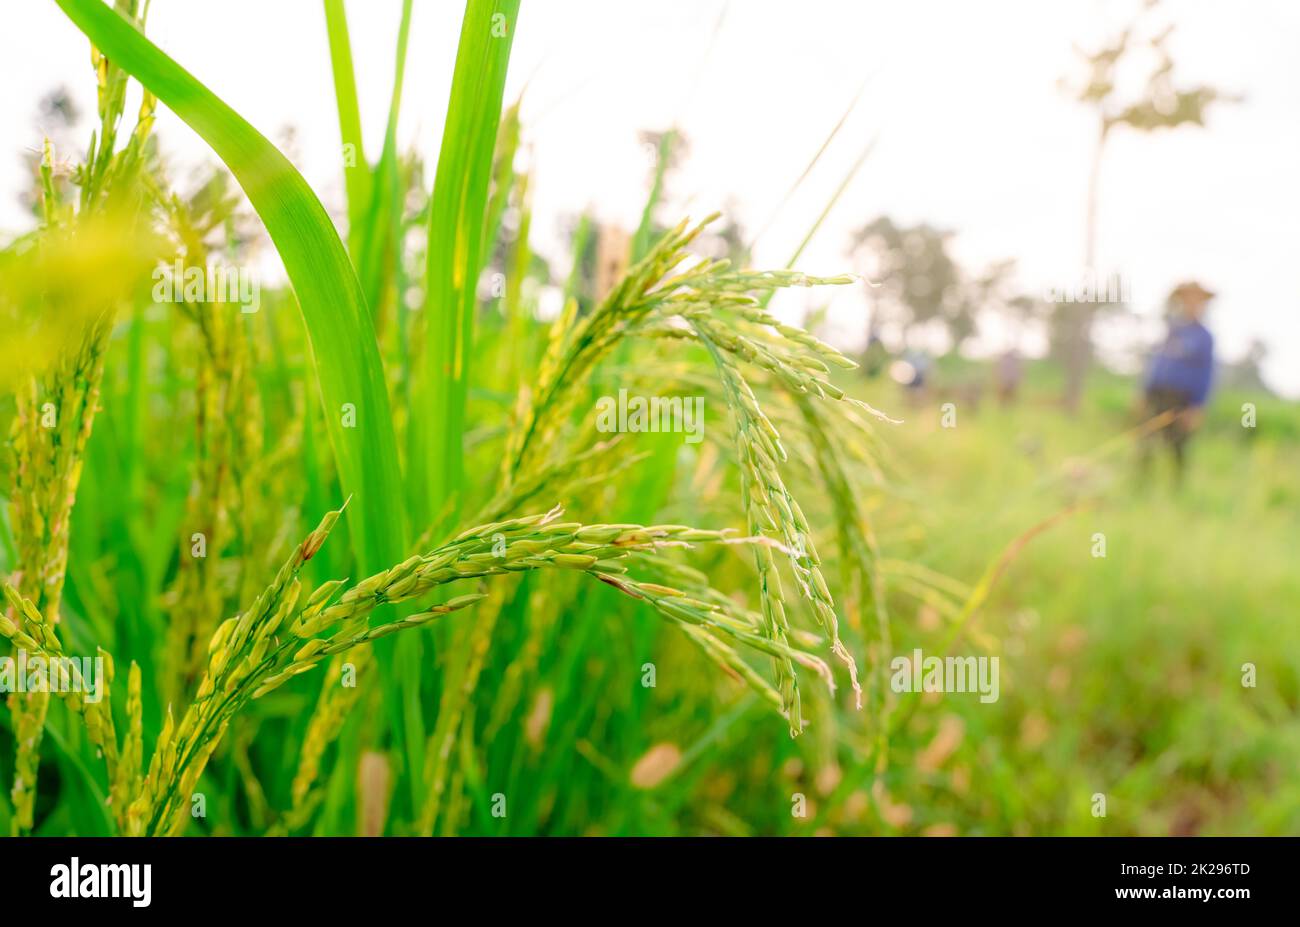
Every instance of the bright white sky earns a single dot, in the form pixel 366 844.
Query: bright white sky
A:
pixel 974 135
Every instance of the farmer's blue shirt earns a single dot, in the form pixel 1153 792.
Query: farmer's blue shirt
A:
pixel 1185 362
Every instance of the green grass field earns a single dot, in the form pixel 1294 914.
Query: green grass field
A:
pixel 1122 675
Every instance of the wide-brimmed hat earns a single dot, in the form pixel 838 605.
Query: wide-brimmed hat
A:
pixel 1190 289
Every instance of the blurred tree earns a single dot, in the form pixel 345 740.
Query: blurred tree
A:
pixel 1246 373
pixel 1159 106
pixel 914 279
pixel 57 109
pixel 666 151
pixel 996 292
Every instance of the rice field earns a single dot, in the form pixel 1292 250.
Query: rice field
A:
pixel 388 550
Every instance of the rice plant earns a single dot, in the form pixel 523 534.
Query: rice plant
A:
pixel 264 682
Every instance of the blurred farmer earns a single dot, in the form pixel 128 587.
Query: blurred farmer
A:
pixel 1010 371
pixel 911 372
pixel 874 357
pixel 1178 381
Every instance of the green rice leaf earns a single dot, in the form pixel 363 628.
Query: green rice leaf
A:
pixel 347 361
pixel 356 172
pixel 375 243
pixel 456 219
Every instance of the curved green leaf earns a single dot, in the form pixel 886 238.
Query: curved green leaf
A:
pixel 457 215
pixel 356 172
pixel 347 361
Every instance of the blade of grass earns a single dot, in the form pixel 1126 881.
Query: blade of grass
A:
pixel 356 171
pixel 835 197
pixel 377 238
pixel 503 174
pixel 645 228
pixel 826 211
pixel 456 218
pixel 807 170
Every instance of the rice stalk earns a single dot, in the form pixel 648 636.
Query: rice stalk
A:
pixel 860 553
pixel 228 429
pixel 686 308
pixel 284 634
pixel 55 418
